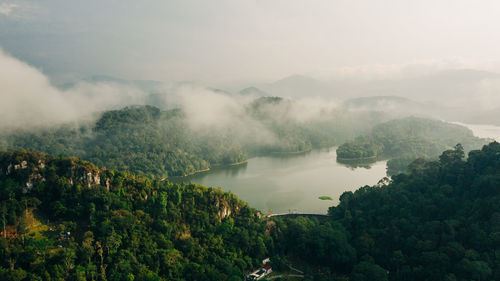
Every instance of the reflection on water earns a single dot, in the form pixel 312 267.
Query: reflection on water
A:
pixel 358 163
pixel 285 183
pixel 291 182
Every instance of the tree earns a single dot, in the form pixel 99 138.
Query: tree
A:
pixel 366 271
pixel 88 245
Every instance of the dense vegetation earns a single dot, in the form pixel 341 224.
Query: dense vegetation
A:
pixel 441 221
pixel 404 140
pixel 66 219
pixel 274 113
pixel 141 139
pixel 162 143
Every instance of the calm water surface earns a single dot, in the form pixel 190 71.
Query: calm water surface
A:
pixel 484 131
pixel 292 183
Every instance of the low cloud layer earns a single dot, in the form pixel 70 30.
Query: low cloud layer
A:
pixel 28 100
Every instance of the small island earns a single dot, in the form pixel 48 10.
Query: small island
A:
pixel 325 198
pixel 401 141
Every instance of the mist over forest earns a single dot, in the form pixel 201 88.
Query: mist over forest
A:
pixel 249 140
pixel 30 99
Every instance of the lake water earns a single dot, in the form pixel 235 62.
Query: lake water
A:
pixel 282 184
pixel 483 131
pixel 292 183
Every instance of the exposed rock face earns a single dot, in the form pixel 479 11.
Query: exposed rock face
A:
pixel 77 171
pixel 35 177
pixel 22 165
pixel 225 210
pixel 89 177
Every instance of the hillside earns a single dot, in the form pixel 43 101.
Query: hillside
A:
pixel 141 139
pixel 253 91
pixel 67 219
pixel 404 140
pixel 96 224
pixel 164 143
pixel 441 221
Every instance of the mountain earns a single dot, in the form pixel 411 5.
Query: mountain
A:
pixel 66 219
pixel 451 88
pixel 160 143
pixel 299 86
pixel 394 105
pixel 141 139
pixel 404 140
pixel 253 91
pixel 440 221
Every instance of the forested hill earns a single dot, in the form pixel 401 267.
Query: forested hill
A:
pixel 404 140
pixel 439 222
pixel 66 219
pixel 164 143
pixel 140 139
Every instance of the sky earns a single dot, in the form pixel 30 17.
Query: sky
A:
pixel 219 41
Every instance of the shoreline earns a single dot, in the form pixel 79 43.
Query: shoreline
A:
pixel 357 159
pixel 291 152
pixel 238 163
pixel 206 170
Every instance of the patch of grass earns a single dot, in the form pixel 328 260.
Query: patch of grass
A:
pixel 35 227
pixel 325 198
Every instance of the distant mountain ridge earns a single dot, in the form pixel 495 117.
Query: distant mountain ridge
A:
pixel 299 86
pixel 254 91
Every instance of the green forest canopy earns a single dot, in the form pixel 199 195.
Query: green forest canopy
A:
pixel 404 140
pixel 161 143
pixel 441 221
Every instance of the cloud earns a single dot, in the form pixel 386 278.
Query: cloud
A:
pixel 28 100
pixel 7 8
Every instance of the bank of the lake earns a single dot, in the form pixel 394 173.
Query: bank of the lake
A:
pixel 291 182
pixel 483 130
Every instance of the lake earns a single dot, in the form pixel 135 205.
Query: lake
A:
pixel 282 184
pixel 483 131
pixel 291 183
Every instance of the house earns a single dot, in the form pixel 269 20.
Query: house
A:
pixel 261 272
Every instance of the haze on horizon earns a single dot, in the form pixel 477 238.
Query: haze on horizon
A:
pixel 62 61
pixel 224 42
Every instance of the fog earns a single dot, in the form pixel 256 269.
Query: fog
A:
pixel 227 42
pixel 64 62
pixel 28 100
pixel 443 57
